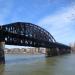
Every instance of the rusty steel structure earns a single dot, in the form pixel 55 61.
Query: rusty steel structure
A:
pixel 28 34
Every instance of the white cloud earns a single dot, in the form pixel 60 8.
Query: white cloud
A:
pixel 60 24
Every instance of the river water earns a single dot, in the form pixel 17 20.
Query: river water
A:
pixel 38 65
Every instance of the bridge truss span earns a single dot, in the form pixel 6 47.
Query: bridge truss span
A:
pixel 26 34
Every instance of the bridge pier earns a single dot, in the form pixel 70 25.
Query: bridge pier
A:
pixel 64 51
pixel 48 52
pixel 51 52
pixel 2 57
pixel 56 51
pixel 69 50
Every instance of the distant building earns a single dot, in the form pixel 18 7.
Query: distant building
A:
pixel 32 50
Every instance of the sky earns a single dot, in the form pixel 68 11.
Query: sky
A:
pixel 56 16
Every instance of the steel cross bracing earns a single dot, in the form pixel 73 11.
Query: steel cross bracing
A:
pixel 27 34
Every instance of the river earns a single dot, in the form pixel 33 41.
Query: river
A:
pixel 38 65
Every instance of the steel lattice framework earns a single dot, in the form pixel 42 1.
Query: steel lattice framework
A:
pixel 27 34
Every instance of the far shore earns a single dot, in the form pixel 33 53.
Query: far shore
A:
pixel 24 53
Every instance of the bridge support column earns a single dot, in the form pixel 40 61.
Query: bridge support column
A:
pixel 57 49
pixel 48 52
pixel 69 50
pixel 2 57
pixel 64 51
pixel 60 51
pixel 51 52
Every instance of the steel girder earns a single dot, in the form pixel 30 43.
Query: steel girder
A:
pixel 27 34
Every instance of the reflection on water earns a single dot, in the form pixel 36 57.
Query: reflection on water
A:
pixel 2 66
pixel 38 65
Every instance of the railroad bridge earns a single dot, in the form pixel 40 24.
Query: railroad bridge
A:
pixel 28 34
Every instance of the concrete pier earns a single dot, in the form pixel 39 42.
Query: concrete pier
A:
pixel 2 57
pixel 48 52
pixel 56 51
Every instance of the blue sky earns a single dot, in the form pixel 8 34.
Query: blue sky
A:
pixel 56 16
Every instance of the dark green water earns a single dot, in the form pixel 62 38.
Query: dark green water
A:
pixel 38 65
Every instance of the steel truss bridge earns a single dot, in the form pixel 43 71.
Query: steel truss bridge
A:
pixel 28 34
